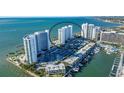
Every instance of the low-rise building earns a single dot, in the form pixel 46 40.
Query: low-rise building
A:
pixel 52 69
pixel 112 37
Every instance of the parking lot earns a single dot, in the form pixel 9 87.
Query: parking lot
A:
pixel 57 53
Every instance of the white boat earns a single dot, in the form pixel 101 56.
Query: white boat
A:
pixel 108 52
pixel 76 69
pixel 96 50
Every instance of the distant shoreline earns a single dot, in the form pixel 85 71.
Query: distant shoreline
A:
pixel 108 21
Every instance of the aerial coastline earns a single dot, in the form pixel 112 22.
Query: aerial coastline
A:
pixel 15 41
pixel 35 68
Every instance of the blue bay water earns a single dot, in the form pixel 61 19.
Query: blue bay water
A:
pixel 13 29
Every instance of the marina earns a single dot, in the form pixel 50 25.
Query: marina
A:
pixel 99 66
pixel 83 58
pixel 14 33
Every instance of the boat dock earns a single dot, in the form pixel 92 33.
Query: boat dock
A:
pixel 117 66
pixel 79 56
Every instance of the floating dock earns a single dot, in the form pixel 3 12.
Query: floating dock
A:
pixel 117 66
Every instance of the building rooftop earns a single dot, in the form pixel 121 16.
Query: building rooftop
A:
pixel 55 67
pixel 28 36
pixel 35 33
pixel 71 59
pixel 109 32
pixel 83 50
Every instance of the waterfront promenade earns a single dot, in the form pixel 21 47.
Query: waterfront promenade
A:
pixel 17 64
